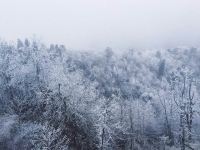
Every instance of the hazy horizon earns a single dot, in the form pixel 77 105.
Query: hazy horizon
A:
pixel 94 25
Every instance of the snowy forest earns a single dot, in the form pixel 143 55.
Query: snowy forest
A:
pixel 54 98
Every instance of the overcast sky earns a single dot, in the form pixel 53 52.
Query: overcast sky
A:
pixel 96 24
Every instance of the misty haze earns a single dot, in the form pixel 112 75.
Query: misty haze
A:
pixel 99 75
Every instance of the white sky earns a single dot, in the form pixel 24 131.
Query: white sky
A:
pixel 96 24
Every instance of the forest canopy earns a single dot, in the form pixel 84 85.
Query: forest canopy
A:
pixel 55 98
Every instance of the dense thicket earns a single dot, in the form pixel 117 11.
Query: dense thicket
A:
pixel 53 98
